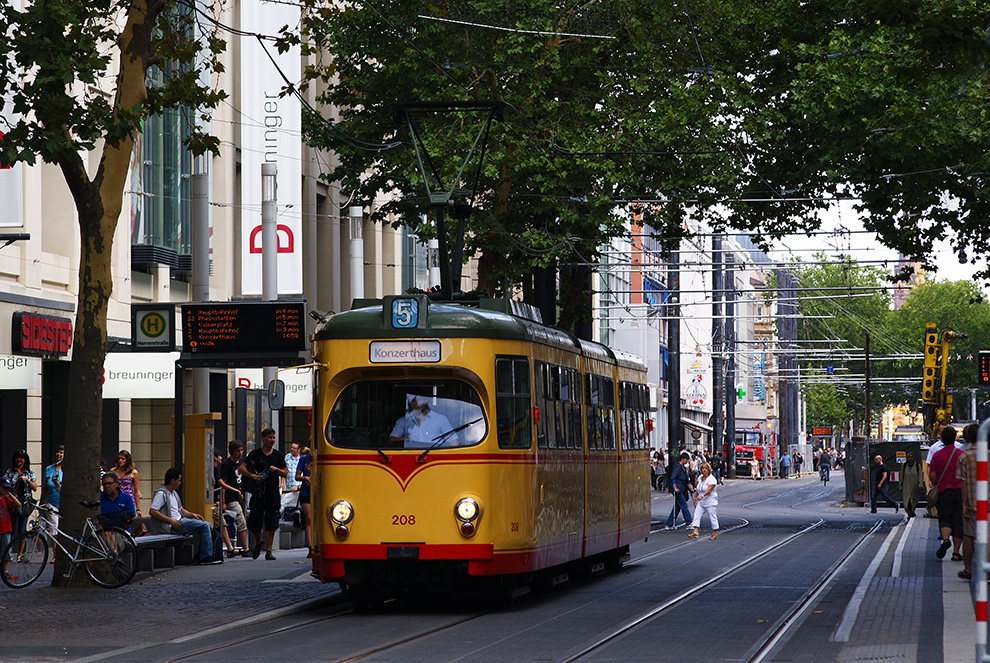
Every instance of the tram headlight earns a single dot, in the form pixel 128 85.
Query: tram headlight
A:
pixel 466 509
pixel 341 512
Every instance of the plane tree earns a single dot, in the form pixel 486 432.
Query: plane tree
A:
pixel 74 87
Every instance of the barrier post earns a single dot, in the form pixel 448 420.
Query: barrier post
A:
pixel 980 553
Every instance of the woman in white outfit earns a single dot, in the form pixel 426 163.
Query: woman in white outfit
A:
pixel 706 501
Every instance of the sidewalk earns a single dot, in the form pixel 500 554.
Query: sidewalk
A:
pixel 915 609
pixel 71 623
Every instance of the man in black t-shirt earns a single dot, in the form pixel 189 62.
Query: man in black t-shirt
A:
pixel 265 467
pixel 233 495
pixel 880 481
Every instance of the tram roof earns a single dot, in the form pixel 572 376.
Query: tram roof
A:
pixel 493 318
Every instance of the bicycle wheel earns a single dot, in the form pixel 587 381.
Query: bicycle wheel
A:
pixel 28 556
pixel 120 564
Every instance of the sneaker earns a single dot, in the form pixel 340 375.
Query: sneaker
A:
pixel 269 556
pixel 210 561
pixel 943 548
pixel 256 552
pixel 309 554
pixel 896 508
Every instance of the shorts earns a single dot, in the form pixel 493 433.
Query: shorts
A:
pixel 304 499
pixel 969 527
pixel 237 513
pixel 4 543
pixel 950 511
pixel 264 511
pixel 50 520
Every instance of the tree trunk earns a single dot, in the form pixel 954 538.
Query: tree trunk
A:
pixel 98 206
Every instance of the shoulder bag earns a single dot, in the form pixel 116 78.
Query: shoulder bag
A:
pixel 932 495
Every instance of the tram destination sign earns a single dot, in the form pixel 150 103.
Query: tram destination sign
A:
pixel 230 328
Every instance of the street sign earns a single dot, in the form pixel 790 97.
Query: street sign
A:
pixel 152 328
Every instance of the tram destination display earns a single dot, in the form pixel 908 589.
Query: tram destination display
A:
pixel 243 327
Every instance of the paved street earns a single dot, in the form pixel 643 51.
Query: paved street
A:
pixel 890 600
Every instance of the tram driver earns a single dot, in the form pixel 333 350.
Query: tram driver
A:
pixel 420 427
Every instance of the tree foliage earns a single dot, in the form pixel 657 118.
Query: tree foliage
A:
pixel 754 115
pixel 73 80
pixel 843 303
pixel 626 112
pixel 884 102
pixel 952 305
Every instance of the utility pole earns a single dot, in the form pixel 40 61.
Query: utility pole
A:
pixel 730 367
pixel 718 336
pixel 673 312
pixel 200 209
pixel 866 417
pixel 269 252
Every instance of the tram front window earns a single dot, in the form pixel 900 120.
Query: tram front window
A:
pixel 407 414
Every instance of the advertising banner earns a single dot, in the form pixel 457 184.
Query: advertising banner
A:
pixel 271 128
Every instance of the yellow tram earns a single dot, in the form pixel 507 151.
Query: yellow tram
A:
pixel 456 441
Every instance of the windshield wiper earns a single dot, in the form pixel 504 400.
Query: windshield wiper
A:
pixel 365 434
pixel 443 437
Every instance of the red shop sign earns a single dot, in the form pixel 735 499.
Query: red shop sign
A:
pixel 41 335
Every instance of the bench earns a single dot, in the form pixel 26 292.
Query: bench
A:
pixel 159 551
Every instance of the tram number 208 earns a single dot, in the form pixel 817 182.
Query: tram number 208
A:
pixel 403 520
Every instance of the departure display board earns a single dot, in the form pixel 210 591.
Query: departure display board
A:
pixel 984 367
pixel 243 327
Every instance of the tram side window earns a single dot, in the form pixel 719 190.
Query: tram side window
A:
pixel 512 403
pixel 544 425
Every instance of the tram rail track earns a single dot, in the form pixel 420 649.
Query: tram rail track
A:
pixel 775 634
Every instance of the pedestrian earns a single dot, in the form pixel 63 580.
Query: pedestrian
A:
pixel 232 496
pixel 23 482
pixel 51 491
pixel 798 462
pixel 290 487
pixel 9 504
pixel 785 464
pixel 718 464
pixel 912 480
pixel 880 483
pixel 942 473
pixel 167 510
pixel 705 501
pixel 116 506
pixel 303 477
pixel 966 473
pixel 661 472
pixel 127 476
pixel 653 469
pixel 266 468
pixel 680 483
pixel 754 469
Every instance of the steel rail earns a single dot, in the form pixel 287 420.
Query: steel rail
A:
pixel 686 594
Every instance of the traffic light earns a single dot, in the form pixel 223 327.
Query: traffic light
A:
pixel 931 364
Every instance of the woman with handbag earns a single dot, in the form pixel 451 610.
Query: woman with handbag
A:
pixel 942 472
pixel 24 483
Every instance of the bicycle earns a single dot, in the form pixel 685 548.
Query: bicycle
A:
pixel 108 554
pixel 824 472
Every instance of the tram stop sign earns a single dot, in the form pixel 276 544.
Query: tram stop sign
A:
pixel 152 328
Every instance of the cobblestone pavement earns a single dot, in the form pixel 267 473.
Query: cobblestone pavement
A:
pixel 171 602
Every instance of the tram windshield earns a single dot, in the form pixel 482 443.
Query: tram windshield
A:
pixel 407 414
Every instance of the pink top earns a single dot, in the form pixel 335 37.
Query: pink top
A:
pixel 947 456
pixel 127 486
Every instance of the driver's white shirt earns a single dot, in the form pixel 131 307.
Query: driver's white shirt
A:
pixel 422 433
